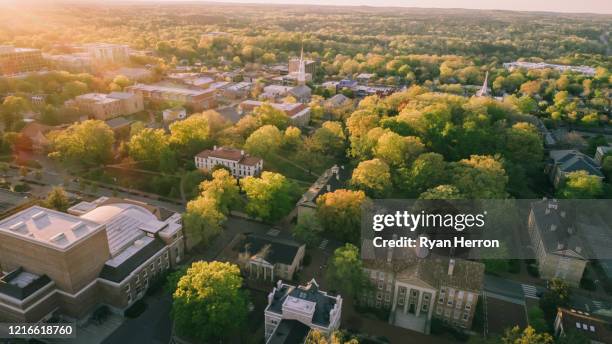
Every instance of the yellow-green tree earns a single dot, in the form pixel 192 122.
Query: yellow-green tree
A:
pixel 88 143
pixel 209 303
pixel 270 197
pixel 372 176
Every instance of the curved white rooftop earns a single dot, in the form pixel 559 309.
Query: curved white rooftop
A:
pixel 125 223
pixel 105 213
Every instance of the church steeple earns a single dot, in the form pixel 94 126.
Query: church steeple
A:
pixel 301 77
pixel 484 90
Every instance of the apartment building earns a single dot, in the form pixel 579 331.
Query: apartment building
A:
pixel 415 290
pixel 293 311
pixel 298 113
pixel 104 252
pixel 103 53
pixel 19 60
pixel 197 99
pixel 105 106
pixel 237 161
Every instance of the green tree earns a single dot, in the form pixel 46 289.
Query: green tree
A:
pixel 581 184
pixel 442 192
pixel 372 176
pixel 266 114
pixel 397 150
pixel 12 111
pixel 340 213
pixel 480 177
pixel 292 137
pixel 57 199
pixel 524 146
pixel 191 135
pixel 147 146
pixel 270 197
pixel 427 171
pixel 202 221
pixel 329 139
pixel 308 230
pixel 223 188
pixel 345 271
pixel 527 336
pixel 265 141
pixel 209 303
pixel 557 295
pixel 88 143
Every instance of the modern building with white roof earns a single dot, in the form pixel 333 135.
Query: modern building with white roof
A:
pixel 103 252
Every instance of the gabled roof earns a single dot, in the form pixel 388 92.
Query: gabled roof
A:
pixel 301 91
pixel 232 154
pixel 571 160
pixel 272 250
pixel 557 229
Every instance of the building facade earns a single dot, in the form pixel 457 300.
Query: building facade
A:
pixel 269 258
pixel 558 251
pixel 198 99
pixel 237 161
pixel 105 252
pixel 20 60
pixel 306 305
pixel 415 290
pixel 105 106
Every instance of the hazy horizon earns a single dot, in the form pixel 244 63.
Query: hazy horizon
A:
pixel 585 6
pixel 565 6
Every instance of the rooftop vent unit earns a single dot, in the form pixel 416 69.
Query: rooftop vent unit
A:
pixel 39 215
pixel 59 239
pixel 19 227
pixel 79 229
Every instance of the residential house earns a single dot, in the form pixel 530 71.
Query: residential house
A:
pixel 564 162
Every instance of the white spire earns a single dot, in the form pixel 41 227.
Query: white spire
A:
pixel 484 91
pixel 301 78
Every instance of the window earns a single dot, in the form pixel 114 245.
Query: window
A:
pixel 466 315
pixel 439 310
pixel 441 297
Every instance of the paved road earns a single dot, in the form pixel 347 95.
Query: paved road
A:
pixel 152 327
pixel 516 292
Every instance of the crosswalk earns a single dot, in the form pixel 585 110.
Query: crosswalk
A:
pixel 530 291
pixel 597 304
pixel 323 244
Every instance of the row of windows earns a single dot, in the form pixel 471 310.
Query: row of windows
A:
pixel 143 275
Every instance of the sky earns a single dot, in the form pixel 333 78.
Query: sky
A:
pixel 589 6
